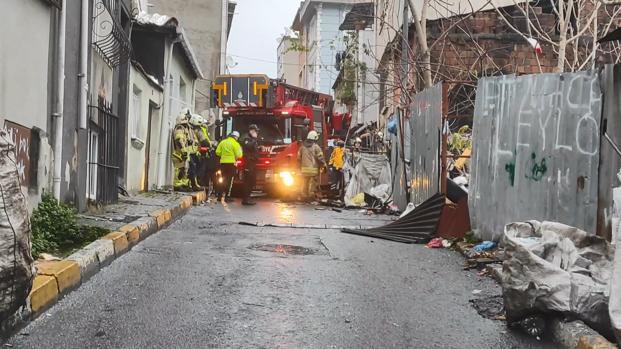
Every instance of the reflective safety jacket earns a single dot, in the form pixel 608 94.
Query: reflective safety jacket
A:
pixel 337 159
pixel 311 158
pixel 229 151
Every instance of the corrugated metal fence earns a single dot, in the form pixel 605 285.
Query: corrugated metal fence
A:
pixel 426 127
pixel 536 151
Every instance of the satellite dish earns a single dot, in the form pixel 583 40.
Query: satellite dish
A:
pixel 230 62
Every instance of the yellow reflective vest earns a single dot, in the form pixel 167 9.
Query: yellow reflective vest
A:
pixel 229 151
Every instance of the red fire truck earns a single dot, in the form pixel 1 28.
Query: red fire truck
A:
pixel 284 114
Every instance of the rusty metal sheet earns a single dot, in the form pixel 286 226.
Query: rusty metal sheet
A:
pixel 426 127
pixel 22 138
pixel 535 151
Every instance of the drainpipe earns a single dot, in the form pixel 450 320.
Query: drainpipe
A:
pixel 57 116
pixel 165 126
pixel 83 83
pixel 224 36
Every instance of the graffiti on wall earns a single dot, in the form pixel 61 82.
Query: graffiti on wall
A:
pixel 22 138
pixel 536 150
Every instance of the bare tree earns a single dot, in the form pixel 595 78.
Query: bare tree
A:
pixel 573 36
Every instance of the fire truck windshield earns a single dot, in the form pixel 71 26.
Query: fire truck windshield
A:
pixel 269 128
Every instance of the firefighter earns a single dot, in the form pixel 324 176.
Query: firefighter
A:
pixel 229 152
pixel 201 146
pixel 337 163
pixel 311 161
pixel 251 157
pixel 183 142
pixel 204 145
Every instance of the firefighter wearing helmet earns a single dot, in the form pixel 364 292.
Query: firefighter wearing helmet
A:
pixel 200 157
pixel 184 145
pixel 311 159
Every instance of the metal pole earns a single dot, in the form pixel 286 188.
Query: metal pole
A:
pixel 83 65
pixel 57 117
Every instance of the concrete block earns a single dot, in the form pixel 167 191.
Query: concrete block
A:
pixel 199 197
pixel 594 342
pixel 88 261
pixel 132 232
pixel 577 335
pixel 146 226
pixel 162 217
pixel 119 240
pixel 67 273
pixel 104 249
pixel 186 202
pixel 43 294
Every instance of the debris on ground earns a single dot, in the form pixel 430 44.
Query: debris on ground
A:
pixel 485 246
pixel 490 307
pixel 555 268
pixel 419 226
pixel 435 243
pixel 533 325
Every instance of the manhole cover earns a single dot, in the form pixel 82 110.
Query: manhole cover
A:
pixel 284 249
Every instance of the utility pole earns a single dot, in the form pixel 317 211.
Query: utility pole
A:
pixel 405 55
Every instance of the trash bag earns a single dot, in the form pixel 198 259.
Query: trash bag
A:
pixel 555 268
pixel 16 262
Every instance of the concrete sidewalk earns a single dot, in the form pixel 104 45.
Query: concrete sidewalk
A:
pixel 131 221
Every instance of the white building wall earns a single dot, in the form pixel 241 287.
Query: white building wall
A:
pixel 142 95
pixel 25 63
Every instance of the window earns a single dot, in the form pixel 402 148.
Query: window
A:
pixel 91 169
pixel 136 130
pixel 182 90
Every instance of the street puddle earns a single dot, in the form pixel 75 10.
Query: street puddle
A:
pixel 284 249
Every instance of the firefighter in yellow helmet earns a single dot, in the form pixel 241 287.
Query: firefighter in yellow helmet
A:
pixel 311 161
pixel 183 147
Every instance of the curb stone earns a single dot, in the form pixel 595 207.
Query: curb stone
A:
pixel 55 279
pixel 577 335
pixel 568 335
pixel 66 272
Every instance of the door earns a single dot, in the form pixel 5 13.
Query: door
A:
pixel 147 151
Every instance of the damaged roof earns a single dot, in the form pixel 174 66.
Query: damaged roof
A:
pixel 360 16
pixel 163 23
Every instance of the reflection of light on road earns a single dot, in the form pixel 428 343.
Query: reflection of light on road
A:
pixel 285 213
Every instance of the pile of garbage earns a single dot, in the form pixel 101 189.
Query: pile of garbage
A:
pixel 552 268
pixel 460 148
pixel 370 182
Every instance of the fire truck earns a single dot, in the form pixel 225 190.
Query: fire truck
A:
pixel 284 115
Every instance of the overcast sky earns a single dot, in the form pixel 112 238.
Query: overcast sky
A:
pixel 257 24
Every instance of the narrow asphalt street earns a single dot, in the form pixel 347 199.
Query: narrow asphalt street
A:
pixel 207 281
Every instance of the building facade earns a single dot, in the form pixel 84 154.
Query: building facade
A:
pixel 288 60
pixel 317 23
pixel 27 88
pixel 207 24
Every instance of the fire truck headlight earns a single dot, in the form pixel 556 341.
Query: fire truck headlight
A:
pixel 287 178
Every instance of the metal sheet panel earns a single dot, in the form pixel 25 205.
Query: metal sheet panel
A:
pixel 610 162
pixel 536 151
pixel 426 126
pixel 398 166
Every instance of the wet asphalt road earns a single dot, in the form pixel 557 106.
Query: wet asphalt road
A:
pixel 208 282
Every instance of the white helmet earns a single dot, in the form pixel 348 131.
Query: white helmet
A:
pixel 182 119
pixel 358 140
pixel 196 120
pixel 380 135
pixel 235 134
pixel 313 136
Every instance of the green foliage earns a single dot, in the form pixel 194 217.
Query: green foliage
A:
pixel 55 228
pixel 460 140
